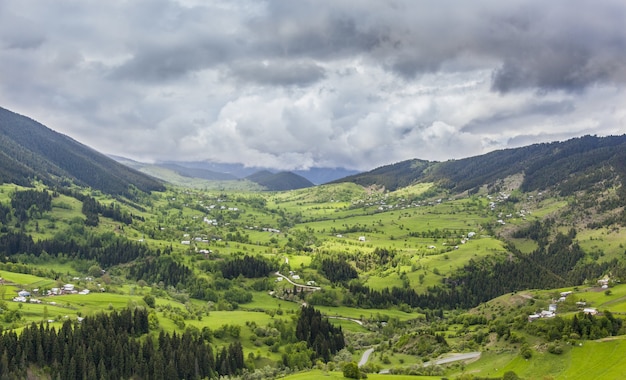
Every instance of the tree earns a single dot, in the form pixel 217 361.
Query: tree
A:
pixel 149 300
pixel 510 375
pixel 351 371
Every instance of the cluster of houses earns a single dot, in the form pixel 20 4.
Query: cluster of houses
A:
pixel 551 312
pixel 26 296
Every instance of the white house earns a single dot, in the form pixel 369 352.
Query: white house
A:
pixel 590 310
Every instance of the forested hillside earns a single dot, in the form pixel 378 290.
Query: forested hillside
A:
pixel 31 151
pixel 572 165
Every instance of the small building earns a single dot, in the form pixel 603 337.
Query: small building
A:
pixel 361 238
pixel 68 288
pixel 23 293
pixel 590 310
pixel 552 307
pixel 547 314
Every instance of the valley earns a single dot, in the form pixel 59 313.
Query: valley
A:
pixel 385 260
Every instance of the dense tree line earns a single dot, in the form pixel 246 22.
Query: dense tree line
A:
pixel 5 213
pixel 107 346
pixel 92 208
pixel 319 334
pixel 29 203
pixel 580 326
pixel 537 231
pixel 107 249
pixel 247 266
pixel 161 269
pixel 338 270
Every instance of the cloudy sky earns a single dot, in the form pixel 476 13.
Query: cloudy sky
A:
pixel 298 84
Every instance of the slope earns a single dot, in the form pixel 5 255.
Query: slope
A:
pixel 30 150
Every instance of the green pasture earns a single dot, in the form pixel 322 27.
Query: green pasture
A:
pixel 263 301
pixel 412 190
pixel 547 207
pixel 610 242
pixel 367 314
pixel 28 281
pixel 319 374
pixel 596 297
pixel 94 302
pixel 590 360
pixel 525 245
pixel 388 279
pixel 347 325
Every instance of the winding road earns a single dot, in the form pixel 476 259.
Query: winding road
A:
pixel 365 357
pixel 314 288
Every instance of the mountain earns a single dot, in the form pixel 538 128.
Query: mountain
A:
pixel 239 171
pixel 199 173
pixel 279 181
pixel 576 164
pixel 30 150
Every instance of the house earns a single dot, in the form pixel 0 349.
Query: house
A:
pixel 471 235
pixel 23 293
pixel 361 238
pixel 547 314
pixel 533 317
pixel 68 288
pixel 590 310
pixel 552 307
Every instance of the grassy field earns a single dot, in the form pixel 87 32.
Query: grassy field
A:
pixel 318 374
pixel 590 360
pixel 428 239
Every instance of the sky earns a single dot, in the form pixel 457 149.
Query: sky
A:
pixel 310 83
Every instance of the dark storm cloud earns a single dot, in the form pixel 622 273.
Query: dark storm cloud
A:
pixel 561 48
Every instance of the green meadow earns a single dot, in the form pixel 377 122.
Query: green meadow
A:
pixel 427 236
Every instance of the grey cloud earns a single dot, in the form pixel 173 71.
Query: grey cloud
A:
pixel 161 63
pixel 278 73
pixel 561 48
pixel 517 116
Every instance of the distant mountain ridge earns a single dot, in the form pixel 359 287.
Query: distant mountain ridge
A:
pixel 317 176
pixel 567 166
pixel 29 150
pixel 269 178
pixel 279 181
